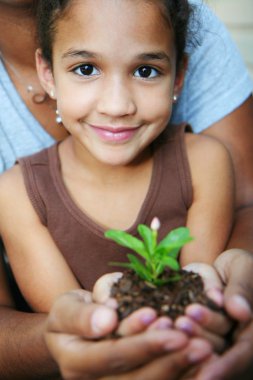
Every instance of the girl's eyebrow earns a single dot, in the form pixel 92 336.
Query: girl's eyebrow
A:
pixel 148 56
pixel 72 53
pixel 151 56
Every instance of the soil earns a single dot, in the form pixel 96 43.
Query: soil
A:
pixel 170 300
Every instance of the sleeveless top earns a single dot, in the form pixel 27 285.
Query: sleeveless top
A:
pixel 78 237
pixel 207 95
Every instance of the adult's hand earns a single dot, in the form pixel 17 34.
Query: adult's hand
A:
pixel 75 324
pixel 202 321
pixel 235 269
pixel 234 364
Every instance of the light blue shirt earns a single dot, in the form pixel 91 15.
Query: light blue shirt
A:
pixel 20 133
pixel 216 83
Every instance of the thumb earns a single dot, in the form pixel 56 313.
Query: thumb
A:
pixel 212 282
pixel 235 267
pixel 102 289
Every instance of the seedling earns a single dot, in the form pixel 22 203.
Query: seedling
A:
pixel 155 257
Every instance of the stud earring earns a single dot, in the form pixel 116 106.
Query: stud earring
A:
pixel 58 118
pixel 52 94
pixel 174 98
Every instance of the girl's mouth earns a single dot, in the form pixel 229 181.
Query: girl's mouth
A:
pixel 120 134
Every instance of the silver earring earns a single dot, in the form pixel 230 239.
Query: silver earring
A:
pixel 174 98
pixel 58 118
pixel 52 93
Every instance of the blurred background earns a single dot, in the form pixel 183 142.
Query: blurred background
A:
pixel 237 15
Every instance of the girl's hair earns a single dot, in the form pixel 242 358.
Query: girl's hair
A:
pixel 176 12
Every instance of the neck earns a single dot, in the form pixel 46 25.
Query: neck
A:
pixel 17 48
pixel 83 163
pixel 18 20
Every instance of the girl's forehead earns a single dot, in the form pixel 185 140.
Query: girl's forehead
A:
pixel 130 10
pixel 113 21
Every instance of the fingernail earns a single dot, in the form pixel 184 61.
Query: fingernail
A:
pixel 147 317
pixel 163 324
pixel 199 350
pixel 241 303
pixel 101 319
pixel 184 325
pixel 195 312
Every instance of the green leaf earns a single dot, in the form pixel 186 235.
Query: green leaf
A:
pixel 173 242
pixel 154 257
pixel 139 267
pixel 167 262
pixel 134 265
pixel 171 263
pixel 126 240
pixel 119 264
pixel 148 237
pixel 159 269
pixel 160 282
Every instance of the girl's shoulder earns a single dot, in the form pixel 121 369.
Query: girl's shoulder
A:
pixel 12 176
pixel 208 159
pixel 205 147
pixel 12 195
pixel 12 187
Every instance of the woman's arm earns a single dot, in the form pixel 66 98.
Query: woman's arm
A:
pixel 24 355
pixel 235 131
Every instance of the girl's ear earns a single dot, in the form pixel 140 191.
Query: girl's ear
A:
pixel 179 81
pixel 45 74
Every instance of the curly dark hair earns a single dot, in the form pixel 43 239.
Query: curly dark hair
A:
pixel 176 12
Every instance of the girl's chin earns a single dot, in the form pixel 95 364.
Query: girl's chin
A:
pixel 115 160
pixel 115 163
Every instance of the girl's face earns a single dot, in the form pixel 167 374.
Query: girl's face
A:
pixel 114 67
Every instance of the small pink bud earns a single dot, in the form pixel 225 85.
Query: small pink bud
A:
pixel 155 224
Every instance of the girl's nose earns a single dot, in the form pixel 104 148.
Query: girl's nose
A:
pixel 116 99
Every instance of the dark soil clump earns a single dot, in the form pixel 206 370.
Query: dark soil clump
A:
pixel 169 300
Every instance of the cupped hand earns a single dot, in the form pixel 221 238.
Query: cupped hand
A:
pixel 201 321
pixel 235 268
pixel 234 364
pixel 75 325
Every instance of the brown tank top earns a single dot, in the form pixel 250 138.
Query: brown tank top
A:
pixel 77 236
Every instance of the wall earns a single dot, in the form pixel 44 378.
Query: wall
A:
pixel 238 17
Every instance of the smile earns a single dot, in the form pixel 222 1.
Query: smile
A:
pixel 110 134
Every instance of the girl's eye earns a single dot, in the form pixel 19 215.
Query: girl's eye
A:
pixel 86 70
pixel 146 72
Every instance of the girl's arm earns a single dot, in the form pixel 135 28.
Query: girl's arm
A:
pixel 210 217
pixel 40 270
pixel 210 220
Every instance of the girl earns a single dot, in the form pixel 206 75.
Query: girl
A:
pixel 115 69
